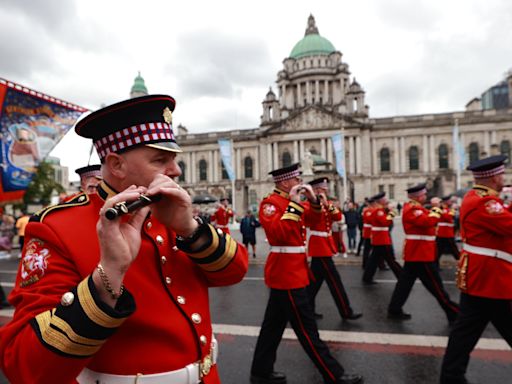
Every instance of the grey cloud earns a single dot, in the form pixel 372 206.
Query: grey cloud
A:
pixel 406 14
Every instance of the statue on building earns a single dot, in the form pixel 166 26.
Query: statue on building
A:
pixel 307 164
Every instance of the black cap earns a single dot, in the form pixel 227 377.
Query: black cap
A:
pixel 89 171
pixel 446 198
pixel 145 120
pixel 378 196
pixel 488 167
pixel 417 188
pixel 224 199
pixel 320 180
pixel 286 173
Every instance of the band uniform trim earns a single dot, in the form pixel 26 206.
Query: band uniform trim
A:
pixel 210 248
pixel 92 311
pixel 230 251
pixel 80 199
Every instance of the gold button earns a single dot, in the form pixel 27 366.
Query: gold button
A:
pixel 181 299
pixel 159 239
pixel 219 231
pixel 81 198
pixel 164 259
pixel 168 280
pixel 203 339
pixel 149 225
pixel 292 210
pixel 175 248
pixel 67 299
pixel 196 318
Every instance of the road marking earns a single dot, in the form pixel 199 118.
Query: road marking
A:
pixel 366 337
pixel 391 281
pixel 6 284
pixel 9 272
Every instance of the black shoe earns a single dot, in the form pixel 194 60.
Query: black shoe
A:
pixel 399 315
pixel 318 315
pixel 350 379
pixel 384 268
pixel 353 316
pixel 4 304
pixel 370 282
pixel 271 378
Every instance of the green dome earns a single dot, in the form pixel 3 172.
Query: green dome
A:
pixel 312 43
pixel 139 86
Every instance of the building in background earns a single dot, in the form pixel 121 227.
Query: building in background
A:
pixel 317 97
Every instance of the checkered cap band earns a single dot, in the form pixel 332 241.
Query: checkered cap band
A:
pixel 85 175
pixel 286 176
pixel 321 185
pixel 138 134
pixel 489 173
pixel 417 193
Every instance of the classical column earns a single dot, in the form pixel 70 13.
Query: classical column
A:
pixel 329 151
pixel 432 152
pixel 493 136
pixel 402 154
pixel 215 166
pixel 299 96
pixel 487 144
pixel 211 165
pixel 326 92
pixel 375 156
pixel 275 153
pixel 322 148
pixel 189 167
pixel 301 149
pixel 396 145
pixel 425 154
pixel 238 164
pixel 351 157
pixel 193 167
pixel 317 91
pixel 256 164
pixel 358 155
pixel 295 151
pixel 283 95
pixel 308 93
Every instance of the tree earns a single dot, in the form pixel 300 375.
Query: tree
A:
pixel 42 186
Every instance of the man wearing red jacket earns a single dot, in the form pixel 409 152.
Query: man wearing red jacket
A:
pixel 90 177
pixel 445 234
pixel 419 256
pixel 287 274
pixel 82 275
pixel 381 219
pixel 367 231
pixel 485 268
pixel 322 248
pixel 222 216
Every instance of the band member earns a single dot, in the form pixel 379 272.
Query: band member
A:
pixel 445 234
pixel 381 219
pixel 222 215
pixel 322 248
pixel 282 217
pixel 83 275
pixel 419 256
pixel 485 268
pixel 367 231
pixel 90 177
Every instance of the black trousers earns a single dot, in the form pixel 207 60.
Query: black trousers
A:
pixel 323 268
pixel 381 252
pixel 292 306
pixel 367 248
pixel 475 314
pixel 428 273
pixel 446 246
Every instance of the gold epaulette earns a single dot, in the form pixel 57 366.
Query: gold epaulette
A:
pixel 80 199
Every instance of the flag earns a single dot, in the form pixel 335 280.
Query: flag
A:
pixel 31 124
pixel 227 157
pixel 459 154
pixel 338 144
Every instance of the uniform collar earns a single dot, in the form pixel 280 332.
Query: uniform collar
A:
pixel 414 202
pixel 105 191
pixel 488 190
pixel 281 193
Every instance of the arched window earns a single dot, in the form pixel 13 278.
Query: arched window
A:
pixel 225 175
pixel 414 158
pixel 248 167
pixel 505 150
pixel 183 168
pixel 203 170
pixel 385 164
pixel 474 153
pixel 442 153
pixel 286 159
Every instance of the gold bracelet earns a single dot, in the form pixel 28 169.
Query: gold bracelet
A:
pixel 106 283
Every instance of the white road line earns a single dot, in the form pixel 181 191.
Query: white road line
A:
pixel 10 272
pixel 6 284
pixel 378 280
pixel 366 337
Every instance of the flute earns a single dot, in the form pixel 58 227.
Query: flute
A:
pixel 123 208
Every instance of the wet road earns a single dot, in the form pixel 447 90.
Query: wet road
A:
pixel 383 350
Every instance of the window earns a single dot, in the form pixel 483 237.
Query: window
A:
pixel 225 175
pixel 505 150
pixel 385 164
pixel 203 170
pixel 286 159
pixel 442 153
pixel 248 167
pixel 414 158
pixel 183 168
pixel 391 191
pixel 474 153
pixel 381 188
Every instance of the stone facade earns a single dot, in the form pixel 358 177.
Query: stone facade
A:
pixel 316 100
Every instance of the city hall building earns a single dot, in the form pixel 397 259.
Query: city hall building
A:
pixel 317 97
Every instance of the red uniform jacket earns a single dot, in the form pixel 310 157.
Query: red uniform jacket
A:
pixel 321 242
pixel 367 227
pixel 446 226
pixel 420 232
pixel 485 223
pixel 283 222
pixel 170 327
pixel 381 219
pixel 221 218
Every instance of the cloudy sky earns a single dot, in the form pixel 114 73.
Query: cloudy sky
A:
pixel 218 58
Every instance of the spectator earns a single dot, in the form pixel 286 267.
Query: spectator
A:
pixel 248 227
pixel 352 221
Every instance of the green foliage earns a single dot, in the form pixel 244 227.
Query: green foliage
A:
pixel 42 186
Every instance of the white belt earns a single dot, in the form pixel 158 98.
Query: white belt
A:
pixel 222 226
pixel 445 225
pixel 191 374
pixel 420 237
pixel 380 228
pixel 367 225
pixel 320 233
pixel 297 249
pixel 488 252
